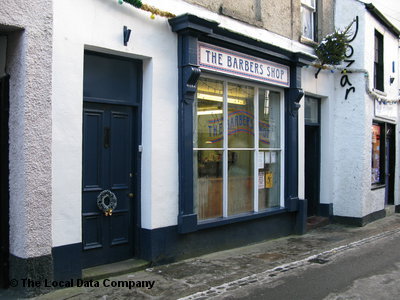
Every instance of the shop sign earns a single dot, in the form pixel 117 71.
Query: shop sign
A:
pixel 386 111
pixel 234 63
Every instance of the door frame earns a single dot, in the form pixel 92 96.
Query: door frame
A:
pixel 136 142
pixel 390 162
pixel 4 185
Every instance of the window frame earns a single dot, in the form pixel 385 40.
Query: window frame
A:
pixel 255 149
pixel 382 155
pixel 191 30
pixel 379 69
pixel 314 21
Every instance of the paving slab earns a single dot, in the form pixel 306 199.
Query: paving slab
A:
pixel 199 274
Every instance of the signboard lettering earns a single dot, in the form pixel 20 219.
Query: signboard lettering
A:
pixel 235 63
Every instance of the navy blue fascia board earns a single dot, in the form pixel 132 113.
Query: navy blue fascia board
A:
pixel 192 24
pixel 245 44
pixel 190 30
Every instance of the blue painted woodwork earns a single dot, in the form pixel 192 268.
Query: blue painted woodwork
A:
pixel 107 238
pixel 110 79
pixel 190 30
pixel 111 133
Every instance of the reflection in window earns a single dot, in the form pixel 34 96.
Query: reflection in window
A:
pixel 269 179
pixel 308 11
pixel 240 116
pixel 208 125
pixel 208 183
pixel 229 177
pixel 311 110
pixel 377 162
pixel 240 182
pixel 378 62
pixel 269 119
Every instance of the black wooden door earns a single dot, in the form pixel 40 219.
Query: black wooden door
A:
pixel 312 168
pixel 4 198
pixel 107 165
pixel 390 163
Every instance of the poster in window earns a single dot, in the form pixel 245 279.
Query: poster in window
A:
pixel 267 157
pixel 261 180
pixel 269 179
pixel 375 165
pixel 261 160
pixel 273 157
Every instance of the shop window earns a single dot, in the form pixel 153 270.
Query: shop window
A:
pixel 378 62
pixel 308 16
pixel 237 149
pixel 378 154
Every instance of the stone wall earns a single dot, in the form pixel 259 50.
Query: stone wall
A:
pixel 282 17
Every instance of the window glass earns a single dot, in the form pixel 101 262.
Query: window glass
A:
pixel 225 149
pixel 378 62
pixel 376 174
pixel 311 114
pixel 269 119
pixel 310 3
pixel 208 119
pixel 269 179
pixel 208 183
pixel 307 22
pixel 240 182
pixel 240 116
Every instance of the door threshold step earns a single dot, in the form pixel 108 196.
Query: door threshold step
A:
pixel 316 222
pixel 390 210
pixel 114 269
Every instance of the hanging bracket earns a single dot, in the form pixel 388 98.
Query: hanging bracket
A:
pixel 127 35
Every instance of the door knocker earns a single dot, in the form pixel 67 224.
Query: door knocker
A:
pixel 107 202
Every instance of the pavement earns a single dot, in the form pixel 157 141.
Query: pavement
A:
pixel 203 277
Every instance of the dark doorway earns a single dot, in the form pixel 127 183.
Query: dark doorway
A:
pixel 390 163
pixel 110 158
pixel 312 154
pixel 4 172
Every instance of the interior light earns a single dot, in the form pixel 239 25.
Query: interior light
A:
pixel 217 98
pixel 209 112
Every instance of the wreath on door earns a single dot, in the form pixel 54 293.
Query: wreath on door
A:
pixel 107 202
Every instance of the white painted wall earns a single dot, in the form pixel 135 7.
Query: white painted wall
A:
pixel 375 198
pixel 352 120
pixel 98 25
pixel 320 87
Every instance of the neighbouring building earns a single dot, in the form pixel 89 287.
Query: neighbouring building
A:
pixel 134 136
pixel 351 112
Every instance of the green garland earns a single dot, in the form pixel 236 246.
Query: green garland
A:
pixel 135 3
pixel 332 49
pixel 153 10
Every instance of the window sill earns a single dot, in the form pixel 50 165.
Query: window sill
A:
pixel 377 186
pixel 308 42
pixel 379 92
pixel 239 218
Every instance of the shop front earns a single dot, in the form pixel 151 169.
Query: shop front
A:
pixel 238 159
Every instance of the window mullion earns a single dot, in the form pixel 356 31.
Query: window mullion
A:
pixel 282 148
pixel 256 152
pixel 225 155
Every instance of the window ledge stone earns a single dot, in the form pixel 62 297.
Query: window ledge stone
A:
pixel 308 42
